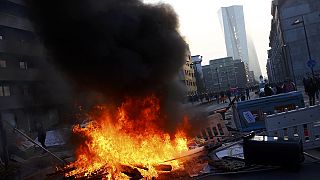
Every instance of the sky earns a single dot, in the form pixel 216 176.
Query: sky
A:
pixel 200 26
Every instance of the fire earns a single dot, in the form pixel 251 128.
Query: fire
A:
pixel 129 137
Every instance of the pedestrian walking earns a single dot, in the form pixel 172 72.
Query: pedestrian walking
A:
pixel 222 97
pixel 228 93
pixel 41 135
pixel 310 89
pixel 248 93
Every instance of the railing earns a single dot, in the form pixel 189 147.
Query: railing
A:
pixel 303 123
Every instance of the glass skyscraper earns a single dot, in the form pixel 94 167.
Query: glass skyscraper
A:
pixel 238 45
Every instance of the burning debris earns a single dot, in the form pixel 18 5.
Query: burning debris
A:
pixel 118 141
pixel 130 53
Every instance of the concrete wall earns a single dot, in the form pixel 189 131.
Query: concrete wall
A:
pixel 294 35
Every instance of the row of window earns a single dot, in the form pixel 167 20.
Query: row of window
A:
pixel 8 90
pixel 186 72
pixel 22 64
pixel 190 83
pixel 5 90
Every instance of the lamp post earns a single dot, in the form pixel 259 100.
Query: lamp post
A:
pixel 298 21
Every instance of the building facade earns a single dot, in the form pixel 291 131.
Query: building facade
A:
pixel 187 76
pixel 238 44
pixel 294 39
pixel 240 73
pixel 31 91
pixel 196 62
pixel 221 74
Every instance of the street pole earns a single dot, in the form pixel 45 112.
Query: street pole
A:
pixel 307 41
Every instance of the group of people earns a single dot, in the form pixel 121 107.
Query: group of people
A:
pixel 285 87
pixel 222 96
pixel 311 87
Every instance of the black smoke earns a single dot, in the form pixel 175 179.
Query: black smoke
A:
pixel 116 47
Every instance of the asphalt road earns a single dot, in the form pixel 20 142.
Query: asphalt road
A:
pixel 306 172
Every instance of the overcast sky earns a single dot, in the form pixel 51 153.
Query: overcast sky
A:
pixel 200 25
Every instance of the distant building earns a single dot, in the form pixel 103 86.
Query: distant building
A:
pixel 30 90
pixel 269 71
pixel 187 76
pixel 251 78
pixel 220 74
pixel 240 73
pixel 196 62
pixel 294 28
pixel 238 44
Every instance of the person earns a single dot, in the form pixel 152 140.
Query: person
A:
pixel 248 93
pixel 310 89
pixel 229 95
pixel 279 89
pixel 216 96
pixel 317 83
pixel 41 135
pixel 267 90
pixel 288 86
pixel 223 99
pixel 243 97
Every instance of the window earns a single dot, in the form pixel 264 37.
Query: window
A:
pixel 25 90
pixel 5 90
pixel 1 37
pixel 23 65
pixel 3 64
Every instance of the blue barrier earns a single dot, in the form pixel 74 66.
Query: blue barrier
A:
pixel 249 115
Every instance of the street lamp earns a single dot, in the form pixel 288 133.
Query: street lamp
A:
pixel 298 21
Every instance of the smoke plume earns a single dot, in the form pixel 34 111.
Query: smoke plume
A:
pixel 116 47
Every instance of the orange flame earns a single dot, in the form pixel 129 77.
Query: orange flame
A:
pixel 129 137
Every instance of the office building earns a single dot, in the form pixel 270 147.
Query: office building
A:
pixel 294 40
pixel 238 44
pixel 222 74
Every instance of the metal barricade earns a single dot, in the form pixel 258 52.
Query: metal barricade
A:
pixel 214 130
pixel 303 123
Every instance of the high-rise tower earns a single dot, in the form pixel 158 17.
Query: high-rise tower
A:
pixel 234 29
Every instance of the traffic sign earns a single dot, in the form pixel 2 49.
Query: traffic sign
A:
pixel 311 63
